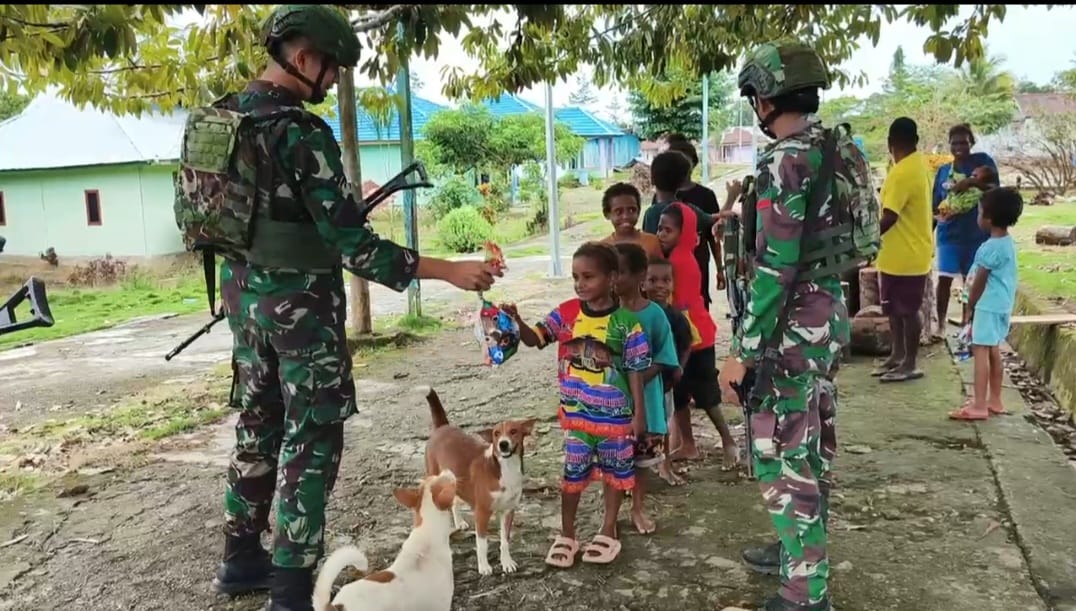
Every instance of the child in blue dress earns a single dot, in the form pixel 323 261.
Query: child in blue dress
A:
pixel 990 300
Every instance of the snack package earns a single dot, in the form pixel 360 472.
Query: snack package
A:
pixel 495 330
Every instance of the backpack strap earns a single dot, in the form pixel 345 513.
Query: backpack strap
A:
pixel 820 191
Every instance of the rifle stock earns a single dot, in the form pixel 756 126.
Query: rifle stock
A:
pixel 40 314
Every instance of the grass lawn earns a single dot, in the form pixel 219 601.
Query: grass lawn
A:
pixel 1048 271
pixel 80 310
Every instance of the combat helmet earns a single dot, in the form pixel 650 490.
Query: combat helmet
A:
pixel 328 31
pixel 777 68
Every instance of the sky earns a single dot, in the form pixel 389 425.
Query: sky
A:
pixel 1035 43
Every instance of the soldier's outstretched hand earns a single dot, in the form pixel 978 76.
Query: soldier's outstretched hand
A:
pixel 473 275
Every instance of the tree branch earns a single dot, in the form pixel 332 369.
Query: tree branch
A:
pixel 374 21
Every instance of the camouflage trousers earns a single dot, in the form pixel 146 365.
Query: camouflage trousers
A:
pixel 794 445
pixel 295 390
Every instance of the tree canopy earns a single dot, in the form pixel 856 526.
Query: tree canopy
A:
pixel 458 140
pixel 683 114
pixel 129 58
pixel 936 97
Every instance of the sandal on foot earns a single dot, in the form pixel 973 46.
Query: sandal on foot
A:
pixel 994 411
pixel 965 413
pixel 881 370
pixel 900 376
pixel 562 553
pixel 601 550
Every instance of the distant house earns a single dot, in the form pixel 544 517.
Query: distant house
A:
pixel 379 144
pixel 88 182
pixel 606 146
pixel 736 146
pixel 1022 137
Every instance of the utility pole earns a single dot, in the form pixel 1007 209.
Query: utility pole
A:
pixel 553 214
pixel 349 128
pixel 407 157
pixel 706 129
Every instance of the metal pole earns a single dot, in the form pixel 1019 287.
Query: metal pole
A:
pixel 551 176
pixel 705 129
pixel 407 157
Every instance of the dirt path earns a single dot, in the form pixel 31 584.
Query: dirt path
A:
pixel 917 520
pixel 118 362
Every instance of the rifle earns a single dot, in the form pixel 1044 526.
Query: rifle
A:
pixel 737 291
pixel 40 315
pixel 396 183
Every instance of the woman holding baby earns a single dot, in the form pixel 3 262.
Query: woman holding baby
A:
pixel 958 235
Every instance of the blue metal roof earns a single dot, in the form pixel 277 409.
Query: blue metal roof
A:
pixel 370 131
pixel 508 104
pixel 583 123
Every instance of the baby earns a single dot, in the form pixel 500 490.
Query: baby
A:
pixel 959 203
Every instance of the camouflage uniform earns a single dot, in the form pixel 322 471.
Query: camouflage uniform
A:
pixel 794 433
pixel 262 184
pixel 294 369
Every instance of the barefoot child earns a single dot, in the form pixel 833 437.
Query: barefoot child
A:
pixel 621 205
pixel 676 230
pixel 655 325
pixel 658 287
pixel 990 300
pixel 602 355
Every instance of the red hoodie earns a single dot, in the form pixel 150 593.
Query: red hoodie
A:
pixel 687 281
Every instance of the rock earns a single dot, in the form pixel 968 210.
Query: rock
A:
pixel 858 449
pixel 1056 235
pixel 870 332
pixel 722 563
pixel 868 288
pixel 844 566
pixel 76 490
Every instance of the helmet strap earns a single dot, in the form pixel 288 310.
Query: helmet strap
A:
pixel 317 90
pixel 765 122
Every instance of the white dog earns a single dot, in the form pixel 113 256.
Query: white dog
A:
pixel 420 579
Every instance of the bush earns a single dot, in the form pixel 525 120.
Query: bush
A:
pixel 97 272
pixel 570 180
pixel 454 193
pixel 464 230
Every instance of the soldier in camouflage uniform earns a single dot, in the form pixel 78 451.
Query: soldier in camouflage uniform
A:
pixel 286 307
pixel 794 438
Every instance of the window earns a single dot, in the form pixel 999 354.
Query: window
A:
pixel 93 207
pixel 3 213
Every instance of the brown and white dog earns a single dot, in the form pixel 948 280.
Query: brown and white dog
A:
pixel 489 475
pixel 420 579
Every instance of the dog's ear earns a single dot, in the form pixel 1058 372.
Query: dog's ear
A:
pixel 486 434
pixel 408 497
pixel 528 426
pixel 444 493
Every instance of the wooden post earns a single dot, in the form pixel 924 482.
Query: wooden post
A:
pixel 361 323
pixel 407 157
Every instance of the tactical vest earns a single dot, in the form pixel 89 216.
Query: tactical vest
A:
pixel 224 191
pixel 855 236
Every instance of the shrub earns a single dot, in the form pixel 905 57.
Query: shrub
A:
pixel 464 230
pixel 570 180
pixel 455 192
pixel 98 272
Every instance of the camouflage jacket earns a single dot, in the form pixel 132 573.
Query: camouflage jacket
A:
pixel 311 153
pixel 818 324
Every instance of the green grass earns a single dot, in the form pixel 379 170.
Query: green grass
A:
pixel 1048 271
pixel 80 310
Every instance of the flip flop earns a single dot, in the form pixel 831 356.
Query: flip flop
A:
pixel 601 550
pixel 562 553
pixel 996 412
pixel 965 413
pixel 901 376
pixel 880 371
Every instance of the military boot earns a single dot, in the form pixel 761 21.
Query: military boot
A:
pixel 779 604
pixel 765 560
pixel 292 590
pixel 246 568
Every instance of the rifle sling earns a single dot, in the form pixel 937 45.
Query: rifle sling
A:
pixel 771 355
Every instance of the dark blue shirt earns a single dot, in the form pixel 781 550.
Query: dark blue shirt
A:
pixel 964 228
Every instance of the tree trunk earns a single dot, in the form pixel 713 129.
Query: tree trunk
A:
pixel 361 322
pixel 1056 235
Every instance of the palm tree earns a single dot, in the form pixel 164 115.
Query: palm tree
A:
pixel 984 77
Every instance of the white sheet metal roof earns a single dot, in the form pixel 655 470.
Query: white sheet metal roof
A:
pixel 52 133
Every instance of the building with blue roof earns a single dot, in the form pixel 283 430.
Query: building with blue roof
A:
pixel 87 182
pixel 379 143
pixel 606 146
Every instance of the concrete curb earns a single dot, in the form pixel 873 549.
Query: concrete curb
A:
pixel 1049 352
pixel 1037 489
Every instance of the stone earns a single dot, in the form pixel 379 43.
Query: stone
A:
pixel 871 335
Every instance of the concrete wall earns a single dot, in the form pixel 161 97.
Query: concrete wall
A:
pixel 48 208
pixel 1048 351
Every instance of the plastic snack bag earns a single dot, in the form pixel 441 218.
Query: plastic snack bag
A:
pixel 495 331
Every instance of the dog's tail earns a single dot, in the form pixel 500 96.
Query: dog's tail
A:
pixel 334 564
pixel 437 411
